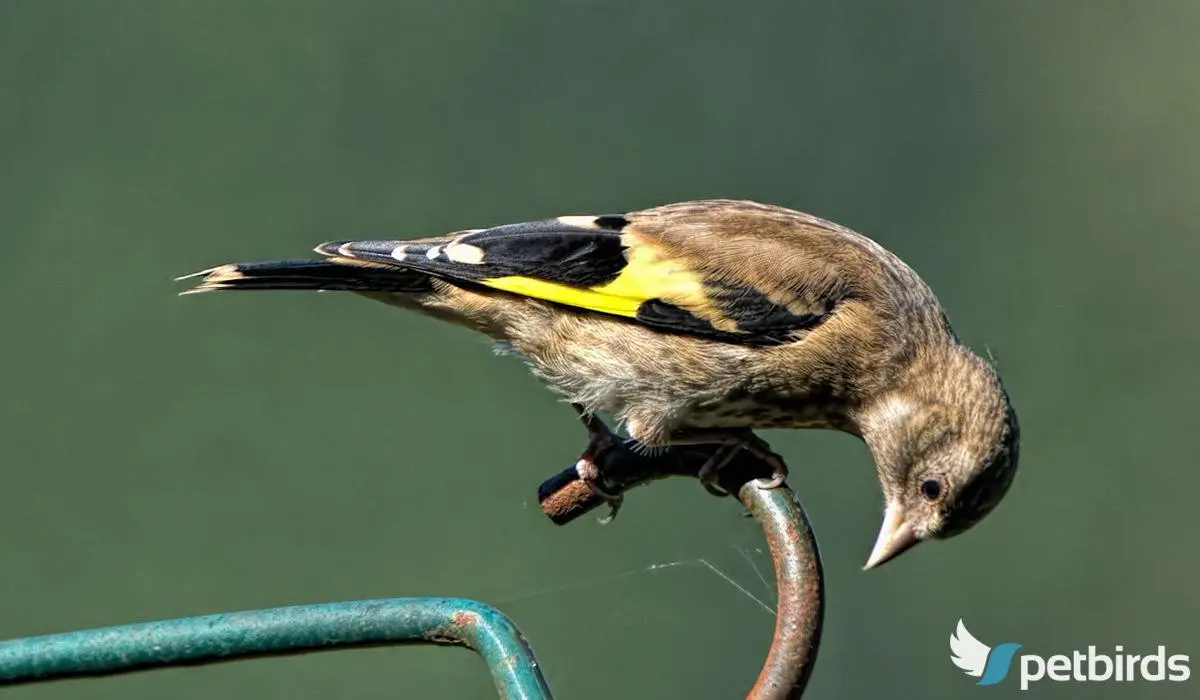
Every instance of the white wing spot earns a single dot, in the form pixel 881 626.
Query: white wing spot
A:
pixel 464 253
pixel 344 250
pixel 398 253
pixel 433 252
pixel 578 221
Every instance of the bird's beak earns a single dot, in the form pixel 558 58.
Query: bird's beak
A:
pixel 895 536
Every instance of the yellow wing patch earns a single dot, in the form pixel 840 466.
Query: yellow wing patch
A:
pixel 647 275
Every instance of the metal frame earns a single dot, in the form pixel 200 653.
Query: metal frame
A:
pixel 288 630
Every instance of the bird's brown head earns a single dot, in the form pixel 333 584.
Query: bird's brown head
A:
pixel 945 443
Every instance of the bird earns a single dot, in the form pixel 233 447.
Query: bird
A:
pixel 699 322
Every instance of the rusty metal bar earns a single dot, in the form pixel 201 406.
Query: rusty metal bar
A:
pixel 800 584
pixel 798 574
pixel 288 630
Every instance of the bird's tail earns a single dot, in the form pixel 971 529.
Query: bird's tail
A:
pixel 309 274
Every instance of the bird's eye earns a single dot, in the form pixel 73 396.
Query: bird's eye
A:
pixel 931 489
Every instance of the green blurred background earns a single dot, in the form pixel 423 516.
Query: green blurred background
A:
pixel 1035 161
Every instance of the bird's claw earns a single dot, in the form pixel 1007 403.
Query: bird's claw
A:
pixel 755 446
pixel 779 470
pixel 777 479
pixel 590 474
pixel 710 484
pixel 711 471
pixel 600 440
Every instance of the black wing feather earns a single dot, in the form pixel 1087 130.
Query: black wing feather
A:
pixel 547 250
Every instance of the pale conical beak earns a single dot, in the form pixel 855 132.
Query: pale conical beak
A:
pixel 895 536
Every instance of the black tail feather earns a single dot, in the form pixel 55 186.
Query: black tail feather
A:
pixel 309 274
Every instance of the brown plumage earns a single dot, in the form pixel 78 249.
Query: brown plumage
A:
pixel 698 321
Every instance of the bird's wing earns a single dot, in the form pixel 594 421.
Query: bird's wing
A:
pixel 713 271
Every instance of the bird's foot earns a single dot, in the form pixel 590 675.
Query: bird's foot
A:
pixel 731 441
pixel 600 439
pixel 711 471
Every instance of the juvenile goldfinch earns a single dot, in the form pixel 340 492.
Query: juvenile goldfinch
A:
pixel 699 321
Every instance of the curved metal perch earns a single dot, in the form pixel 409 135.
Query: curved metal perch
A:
pixel 798 574
pixel 288 630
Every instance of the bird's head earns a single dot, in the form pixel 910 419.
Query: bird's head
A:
pixel 945 444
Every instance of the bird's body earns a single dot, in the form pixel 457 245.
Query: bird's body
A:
pixel 701 319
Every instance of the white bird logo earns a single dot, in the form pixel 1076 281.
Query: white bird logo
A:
pixel 967 652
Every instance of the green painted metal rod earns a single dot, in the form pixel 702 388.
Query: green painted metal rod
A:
pixel 213 638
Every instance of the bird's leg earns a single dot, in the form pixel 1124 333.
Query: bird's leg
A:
pixel 711 468
pixel 600 439
pixel 731 441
